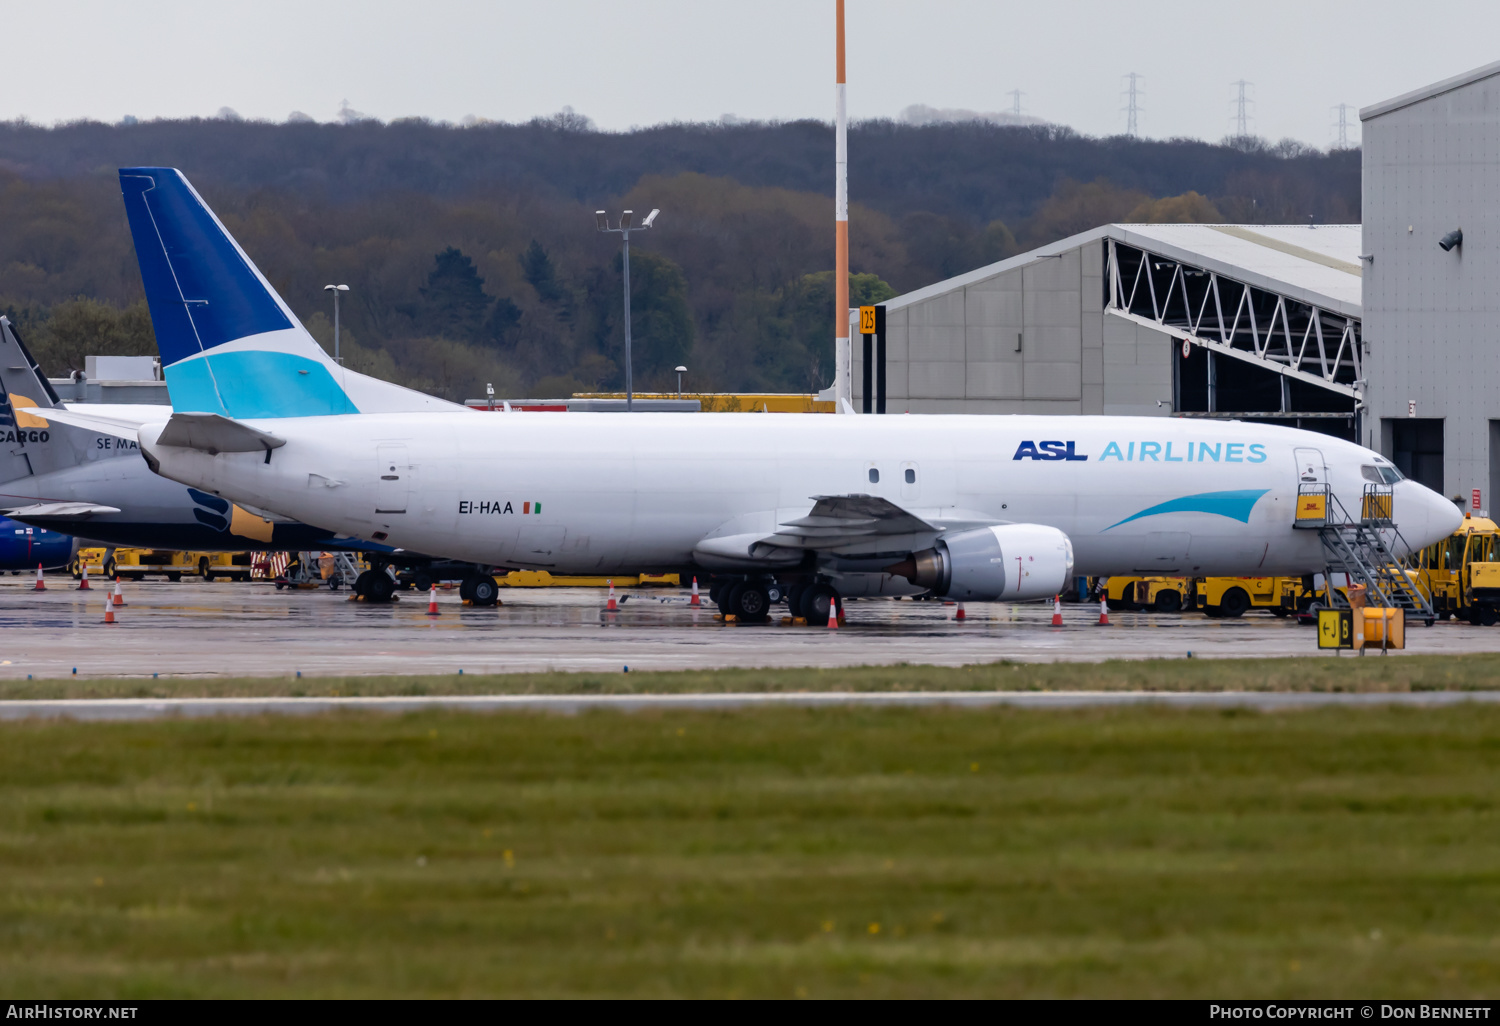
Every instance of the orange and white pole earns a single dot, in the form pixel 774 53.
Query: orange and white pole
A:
pixel 611 606
pixel 842 353
pixel 696 601
pixel 432 609
pixel 109 608
pixel 119 596
pixel 83 581
pixel 41 585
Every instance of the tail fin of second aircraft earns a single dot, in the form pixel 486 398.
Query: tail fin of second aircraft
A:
pixel 23 389
pixel 229 344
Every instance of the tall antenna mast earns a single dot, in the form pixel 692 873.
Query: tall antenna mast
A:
pixel 1015 97
pixel 1242 115
pixel 842 354
pixel 1133 108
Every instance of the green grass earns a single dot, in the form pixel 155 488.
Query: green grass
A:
pixel 777 852
pixel 1372 673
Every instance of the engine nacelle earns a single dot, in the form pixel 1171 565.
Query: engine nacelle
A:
pixel 1015 562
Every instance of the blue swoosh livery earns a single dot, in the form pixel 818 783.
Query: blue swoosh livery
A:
pixel 1235 505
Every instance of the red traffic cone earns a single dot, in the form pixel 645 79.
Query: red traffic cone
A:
pixel 109 608
pixel 612 606
pixel 695 601
pixel 1057 611
pixel 41 585
pixel 833 613
pixel 119 597
pixel 83 580
pixel 432 609
pixel 959 616
pixel 1103 611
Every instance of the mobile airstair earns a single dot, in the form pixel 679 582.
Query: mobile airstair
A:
pixel 1364 549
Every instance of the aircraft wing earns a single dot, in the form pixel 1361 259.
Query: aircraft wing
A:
pixel 71 510
pixel 838 521
pixel 843 525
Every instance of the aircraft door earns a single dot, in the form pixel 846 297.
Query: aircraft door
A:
pixel 393 482
pixel 1310 467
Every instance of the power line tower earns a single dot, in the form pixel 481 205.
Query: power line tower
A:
pixel 1242 104
pixel 1015 101
pixel 1133 108
pixel 1342 125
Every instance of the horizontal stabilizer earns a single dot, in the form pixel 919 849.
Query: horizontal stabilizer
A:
pixel 213 434
pixel 72 510
pixel 118 426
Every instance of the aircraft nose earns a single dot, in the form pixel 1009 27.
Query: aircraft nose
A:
pixel 1423 515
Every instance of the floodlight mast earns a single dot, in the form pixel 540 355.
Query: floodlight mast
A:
pixel 336 289
pixel 601 219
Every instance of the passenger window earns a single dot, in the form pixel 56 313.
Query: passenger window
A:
pixel 911 476
pixel 874 476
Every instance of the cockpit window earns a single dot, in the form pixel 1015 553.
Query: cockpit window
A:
pixel 1381 475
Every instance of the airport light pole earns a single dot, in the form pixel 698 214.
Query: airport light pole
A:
pixel 336 289
pixel 680 372
pixel 602 220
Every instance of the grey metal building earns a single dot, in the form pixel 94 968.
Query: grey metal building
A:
pixel 1431 168
pixel 1250 321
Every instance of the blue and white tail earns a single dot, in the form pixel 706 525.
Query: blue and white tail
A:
pixel 229 344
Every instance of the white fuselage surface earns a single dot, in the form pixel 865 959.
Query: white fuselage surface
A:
pixel 604 493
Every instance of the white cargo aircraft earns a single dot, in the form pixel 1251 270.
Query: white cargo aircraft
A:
pixel 972 507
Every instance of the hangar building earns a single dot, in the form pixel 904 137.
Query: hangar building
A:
pixel 1431 168
pixel 1234 321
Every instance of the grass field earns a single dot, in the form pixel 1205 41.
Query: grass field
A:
pixel 1372 673
pixel 780 852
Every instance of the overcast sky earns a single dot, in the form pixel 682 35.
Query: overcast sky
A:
pixel 640 63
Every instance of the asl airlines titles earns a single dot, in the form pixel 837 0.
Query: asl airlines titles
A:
pixel 1155 452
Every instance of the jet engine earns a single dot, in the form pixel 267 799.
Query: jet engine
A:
pixel 1014 562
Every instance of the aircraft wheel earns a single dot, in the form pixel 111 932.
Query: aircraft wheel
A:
pixel 749 602
pixel 422 581
pixel 1234 604
pixel 203 569
pixel 1168 602
pixel 794 597
pixel 484 590
pixel 362 584
pixel 816 603
pixel 716 593
pixel 380 588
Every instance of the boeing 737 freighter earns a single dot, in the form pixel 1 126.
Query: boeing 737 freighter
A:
pixel 971 507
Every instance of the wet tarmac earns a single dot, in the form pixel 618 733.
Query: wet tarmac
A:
pixel 226 629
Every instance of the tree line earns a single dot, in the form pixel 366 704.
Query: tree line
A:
pixel 472 256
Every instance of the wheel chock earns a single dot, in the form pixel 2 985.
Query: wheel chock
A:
pixel 799 621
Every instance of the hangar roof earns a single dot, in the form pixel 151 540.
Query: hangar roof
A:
pixel 1427 92
pixel 1315 264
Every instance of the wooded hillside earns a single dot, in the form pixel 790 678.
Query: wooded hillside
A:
pixel 472 257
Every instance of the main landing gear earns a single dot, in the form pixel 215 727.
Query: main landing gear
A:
pixel 750 599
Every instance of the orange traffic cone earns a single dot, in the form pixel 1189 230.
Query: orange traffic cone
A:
pixel 432 609
pixel 613 606
pixel 119 597
pixel 83 581
pixel 1103 611
pixel 833 613
pixel 959 616
pixel 41 585
pixel 695 601
pixel 1057 611
pixel 109 608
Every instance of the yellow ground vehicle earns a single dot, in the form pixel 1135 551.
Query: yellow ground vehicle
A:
pixel 1161 594
pixel 234 565
pixel 1461 574
pixel 133 564
pixel 1235 596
